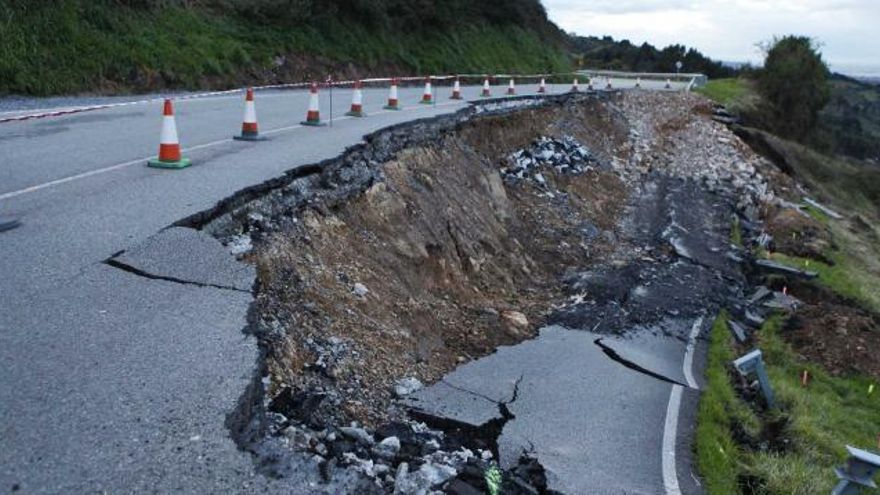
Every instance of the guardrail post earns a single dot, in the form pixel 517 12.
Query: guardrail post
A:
pixel 753 362
pixel 857 473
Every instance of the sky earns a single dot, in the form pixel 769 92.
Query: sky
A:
pixel 729 30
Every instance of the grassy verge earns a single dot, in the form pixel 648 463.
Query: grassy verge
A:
pixel 821 419
pixel 725 91
pixel 853 270
pixel 75 45
pixel 843 277
pixel 718 455
pixel 736 235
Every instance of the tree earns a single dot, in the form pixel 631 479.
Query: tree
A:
pixel 794 82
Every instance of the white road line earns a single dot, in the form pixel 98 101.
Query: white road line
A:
pixel 688 363
pixel 670 433
pixel 118 166
pixel 670 428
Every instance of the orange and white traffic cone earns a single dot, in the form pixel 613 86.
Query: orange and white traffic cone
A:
pixel 249 131
pixel 511 88
pixel 574 86
pixel 427 95
pixel 456 90
pixel 393 102
pixel 313 117
pixel 542 87
pixel 169 145
pixel 486 91
pixel 357 102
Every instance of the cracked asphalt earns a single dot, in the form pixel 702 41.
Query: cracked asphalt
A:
pixel 122 344
pixel 112 381
pixel 605 398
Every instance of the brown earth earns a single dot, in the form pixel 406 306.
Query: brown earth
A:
pixel 834 332
pixel 796 233
pixel 456 262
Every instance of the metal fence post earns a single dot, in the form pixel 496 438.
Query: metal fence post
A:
pixel 857 473
pixel 753 362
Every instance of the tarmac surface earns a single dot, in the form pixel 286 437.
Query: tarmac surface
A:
pixel 122 343
pixel 605 398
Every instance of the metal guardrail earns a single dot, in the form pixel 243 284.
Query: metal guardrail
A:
pixel 338 83
pixel 693 79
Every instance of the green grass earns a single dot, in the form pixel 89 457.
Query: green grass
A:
pixel 725 91
pixel 844 277
pixel 717 454
pixel 75 45
pixel 828 414
pixel 736 236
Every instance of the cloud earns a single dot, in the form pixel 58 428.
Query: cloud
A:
pixel 729 29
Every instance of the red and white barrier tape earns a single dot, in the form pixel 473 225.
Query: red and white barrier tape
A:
pixel 158 99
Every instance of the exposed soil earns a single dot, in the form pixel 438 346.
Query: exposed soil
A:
pixel 436 242
pixel 454 262
pixel 835 332
pixel 796 233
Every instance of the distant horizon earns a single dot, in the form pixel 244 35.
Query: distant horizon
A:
pixel 730 31
pixel 853 70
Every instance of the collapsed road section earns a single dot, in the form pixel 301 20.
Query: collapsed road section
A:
pixel 502 298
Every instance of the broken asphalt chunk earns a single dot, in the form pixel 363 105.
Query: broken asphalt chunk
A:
pixel 782 301
pixel 824 209
pixel 739 331
pixel 759 294
pixel 773 266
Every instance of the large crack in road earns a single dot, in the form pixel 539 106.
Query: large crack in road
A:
pixel 545 266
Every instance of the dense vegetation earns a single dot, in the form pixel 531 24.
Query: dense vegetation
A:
pixel 794 96
pixel 850 123
pixel 606 53
pixel 794 84
pixel 111 45
pixel 816 420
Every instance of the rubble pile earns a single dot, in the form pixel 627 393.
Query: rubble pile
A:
pixel 565 156
pixel 331 308
pixel 400 457
pixel 668 139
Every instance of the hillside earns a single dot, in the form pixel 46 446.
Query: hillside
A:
pixel 851 121
pixel 111 46
pixel 607 53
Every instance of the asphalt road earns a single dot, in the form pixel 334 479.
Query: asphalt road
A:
pixel 112 381
pixel 605 397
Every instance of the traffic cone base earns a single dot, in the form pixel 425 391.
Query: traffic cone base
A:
pixel 313 123
pixel 356 113
pixel 426 101
pixel 182 163
pixel 250 137
pixel 392 107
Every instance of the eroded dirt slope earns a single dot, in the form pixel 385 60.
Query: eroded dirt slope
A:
pixel 440 262
pixel 441 240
